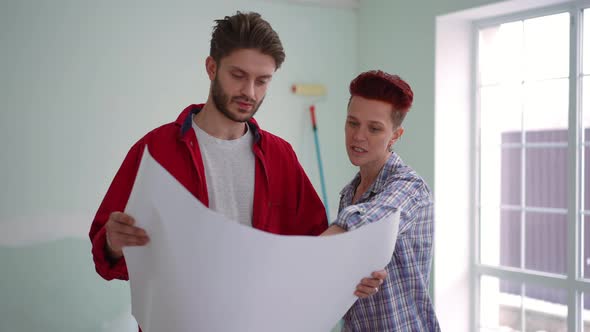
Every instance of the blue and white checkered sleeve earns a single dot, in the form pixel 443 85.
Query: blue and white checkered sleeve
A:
pixel 354 216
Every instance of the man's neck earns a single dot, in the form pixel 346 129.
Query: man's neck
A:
pixel 214 123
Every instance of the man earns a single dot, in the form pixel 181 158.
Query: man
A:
pixel 220 154
pixel 377 107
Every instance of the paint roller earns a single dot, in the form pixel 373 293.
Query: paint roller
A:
pixel 315 90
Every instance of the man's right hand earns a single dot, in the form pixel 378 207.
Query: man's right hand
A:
pixel 121 233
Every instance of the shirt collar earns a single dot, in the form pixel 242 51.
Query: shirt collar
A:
pixel 380 182
pixel 185 120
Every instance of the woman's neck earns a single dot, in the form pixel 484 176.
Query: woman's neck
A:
pixel 369 174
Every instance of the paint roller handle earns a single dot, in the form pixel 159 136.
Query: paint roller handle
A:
pixel 312 113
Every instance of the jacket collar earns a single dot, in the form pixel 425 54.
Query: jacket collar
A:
pixel 184 121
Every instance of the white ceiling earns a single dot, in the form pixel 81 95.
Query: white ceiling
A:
pixel 323 3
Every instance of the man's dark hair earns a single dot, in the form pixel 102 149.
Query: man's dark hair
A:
pixel 245 31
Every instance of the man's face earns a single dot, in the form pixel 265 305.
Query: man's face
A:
pixel 239 83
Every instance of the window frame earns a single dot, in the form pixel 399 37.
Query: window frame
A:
pixel 573 281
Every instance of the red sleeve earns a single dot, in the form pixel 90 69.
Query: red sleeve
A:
pixel 114 200
pixel 310 208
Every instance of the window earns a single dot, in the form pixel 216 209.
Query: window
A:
pixel 533 186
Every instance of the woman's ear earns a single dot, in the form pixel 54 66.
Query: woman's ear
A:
pixel 397 134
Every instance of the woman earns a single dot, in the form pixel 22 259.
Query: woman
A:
pixel 377 107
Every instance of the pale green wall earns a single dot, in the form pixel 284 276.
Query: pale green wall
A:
pixel 81 81
pixel 53 287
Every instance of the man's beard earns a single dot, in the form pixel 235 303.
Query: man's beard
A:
pixel 222 100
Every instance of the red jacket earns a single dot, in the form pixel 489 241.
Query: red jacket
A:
pixel 285 201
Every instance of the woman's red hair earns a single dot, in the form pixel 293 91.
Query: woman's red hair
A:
pixel 379 85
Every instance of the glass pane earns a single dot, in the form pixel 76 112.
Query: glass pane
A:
pixel 586 42
pixel 545 309
pixel 586 312
pixel 500 54
pixel 510 239
pixel 586 251
pixel 510 52
pixel 511 176
pixel 500 115
pixel 500 237
pixel 546 242
pixel 490 235
pixel 586 106
pixel 500 125
pixel 500 305
pixel 490 177
pixel 586 131
pixel 546 47
pixel 489 52
pixel 546 177
pixel 546 111
pixel 586 174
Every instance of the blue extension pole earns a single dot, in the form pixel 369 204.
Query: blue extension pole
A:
pixel 319 157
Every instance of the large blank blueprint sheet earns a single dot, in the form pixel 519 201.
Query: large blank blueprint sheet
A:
pixel 203 272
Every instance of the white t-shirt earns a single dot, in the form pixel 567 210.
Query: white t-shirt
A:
pixel 229 171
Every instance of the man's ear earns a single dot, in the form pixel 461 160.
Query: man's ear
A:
pixel 211 67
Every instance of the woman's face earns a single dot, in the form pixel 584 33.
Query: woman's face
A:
pixel 369 132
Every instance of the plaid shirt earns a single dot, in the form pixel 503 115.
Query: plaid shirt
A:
pixel 403 302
